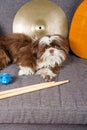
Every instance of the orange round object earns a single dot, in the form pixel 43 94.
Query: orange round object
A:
pixel 78 31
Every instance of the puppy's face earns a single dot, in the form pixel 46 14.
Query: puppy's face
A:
pixel 52 49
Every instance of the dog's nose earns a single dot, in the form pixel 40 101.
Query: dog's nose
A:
pixel 51 51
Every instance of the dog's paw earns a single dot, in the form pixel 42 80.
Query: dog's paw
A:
pixel 25 71
pixel 46 74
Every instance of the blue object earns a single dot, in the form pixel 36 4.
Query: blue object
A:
pixel 5 78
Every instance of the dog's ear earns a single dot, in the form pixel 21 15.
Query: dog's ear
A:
pixel 62 42
pixel 35 47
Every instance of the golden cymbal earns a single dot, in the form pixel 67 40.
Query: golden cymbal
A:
pixel 39 18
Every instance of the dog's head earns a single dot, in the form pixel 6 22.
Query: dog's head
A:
pixel 53 48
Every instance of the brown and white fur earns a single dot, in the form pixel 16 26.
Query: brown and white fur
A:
pixel 18 48
pixel 44 56
pixel 52 52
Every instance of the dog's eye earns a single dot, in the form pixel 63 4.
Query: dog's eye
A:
pixel 55 46
pixel 58 46
pixel 46 47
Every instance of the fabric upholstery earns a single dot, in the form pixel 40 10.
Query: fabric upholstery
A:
pixel 66 104
pixel 41 127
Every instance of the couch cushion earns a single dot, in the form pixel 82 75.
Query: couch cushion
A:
pixel 41 127
pixel 64 104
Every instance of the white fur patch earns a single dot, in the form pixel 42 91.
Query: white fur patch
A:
pixel 49 60
pixel 25 71
pixel 44 72
pixel 47 40
pixel 52 38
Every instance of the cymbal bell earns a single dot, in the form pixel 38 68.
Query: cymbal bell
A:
pixel 39 18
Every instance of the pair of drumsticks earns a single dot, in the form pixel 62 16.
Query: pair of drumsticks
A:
pixel 31 88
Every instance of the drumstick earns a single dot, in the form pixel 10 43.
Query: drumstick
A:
pixel 7 92
pixel 23 88
pixel 31 88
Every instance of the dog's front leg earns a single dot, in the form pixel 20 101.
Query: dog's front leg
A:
pixel 27 65
pixel 46 73
pixel 25 71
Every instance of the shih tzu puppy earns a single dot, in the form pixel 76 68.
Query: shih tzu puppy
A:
pixel 52 52
pixel 18 48
pixel 44 56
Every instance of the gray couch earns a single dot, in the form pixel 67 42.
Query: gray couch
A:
pixel 58 108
